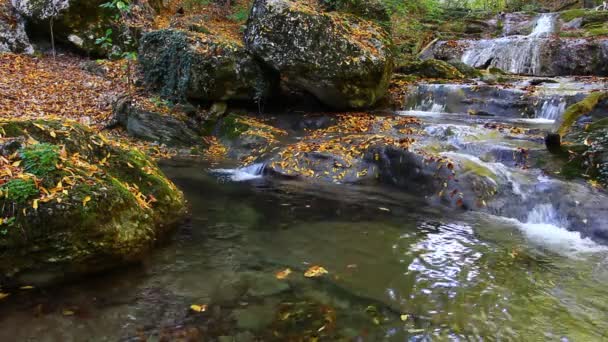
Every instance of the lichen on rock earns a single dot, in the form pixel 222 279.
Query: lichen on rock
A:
pixel 197 66
pixel 12 30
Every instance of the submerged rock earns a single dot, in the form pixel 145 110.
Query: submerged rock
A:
pixel 198 66
pixel 77 203
pixel 12 31
pixel 343 60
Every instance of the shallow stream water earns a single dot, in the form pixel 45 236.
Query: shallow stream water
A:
pixel 398 270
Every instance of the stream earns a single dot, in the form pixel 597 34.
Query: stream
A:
pixel 532 266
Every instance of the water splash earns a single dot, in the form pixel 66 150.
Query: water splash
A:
pixel 545 227
pixel 253 171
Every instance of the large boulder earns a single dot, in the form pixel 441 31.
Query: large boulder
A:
pixel 343 60
pixel 12 30
pixel 72 202
pixel 199 66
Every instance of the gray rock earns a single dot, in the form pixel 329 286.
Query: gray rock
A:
pixel 344 61
pixel 170 129
pixel 12 31
pixel 187 65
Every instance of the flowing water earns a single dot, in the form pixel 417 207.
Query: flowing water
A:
pixel 399 268
pixel 515 54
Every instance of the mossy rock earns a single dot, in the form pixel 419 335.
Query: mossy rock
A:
pixel 465 69
pixel 579 109
pixel 343 60
pixel 197 66
pixel 430 68
pixel 77 203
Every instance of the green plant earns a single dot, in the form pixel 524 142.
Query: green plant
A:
pixel 40 159
pixel 240 16
pixel 19 190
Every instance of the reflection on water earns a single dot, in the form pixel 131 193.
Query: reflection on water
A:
pixel 398 270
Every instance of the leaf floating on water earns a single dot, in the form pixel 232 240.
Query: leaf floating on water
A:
pixel 4 295
pixel 86 200
pixel 198 308
pixel 315 271
pixel 283 274
pixel 68 312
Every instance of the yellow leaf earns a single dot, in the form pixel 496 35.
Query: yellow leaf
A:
pixel 315 271
pixel 26 287
pixel 17 163
pixel 4 295
pixel 404 317
pixel 35 204
pixel 67 312
pixel 198 308
pixel 53 134
pixel 283 274
pixel 85 201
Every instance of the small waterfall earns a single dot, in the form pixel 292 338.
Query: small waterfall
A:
pixel 429 105
pixel 253 171
pixel 545 227
pixel 552 109
pixel 515 54
pixel 545 25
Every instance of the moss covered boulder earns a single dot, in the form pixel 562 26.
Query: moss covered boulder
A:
pixel 198 66
pixel 72 202
pixel 430 68
pixel 343 60
pixel 12 30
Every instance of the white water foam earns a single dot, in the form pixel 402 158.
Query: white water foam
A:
pixel 552 109
pixel 545 227
pixel 254 171
pixel 545 25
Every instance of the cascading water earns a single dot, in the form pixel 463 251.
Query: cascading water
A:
pixel 253 171
pixel 552 109
pixel 515 54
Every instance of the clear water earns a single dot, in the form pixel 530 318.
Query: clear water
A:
pixel 455 275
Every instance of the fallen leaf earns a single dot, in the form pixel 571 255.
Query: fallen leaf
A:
pixel 283 274
pixel 4 295
pixel 315 271
pixel 198 308
pixel 404 317
pixel 86 200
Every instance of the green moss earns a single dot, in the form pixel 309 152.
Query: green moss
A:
pixel 19 190
pixel 573 14
pixel 232 127
pixel 40 159
pixel 579 109
pixel 431 68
